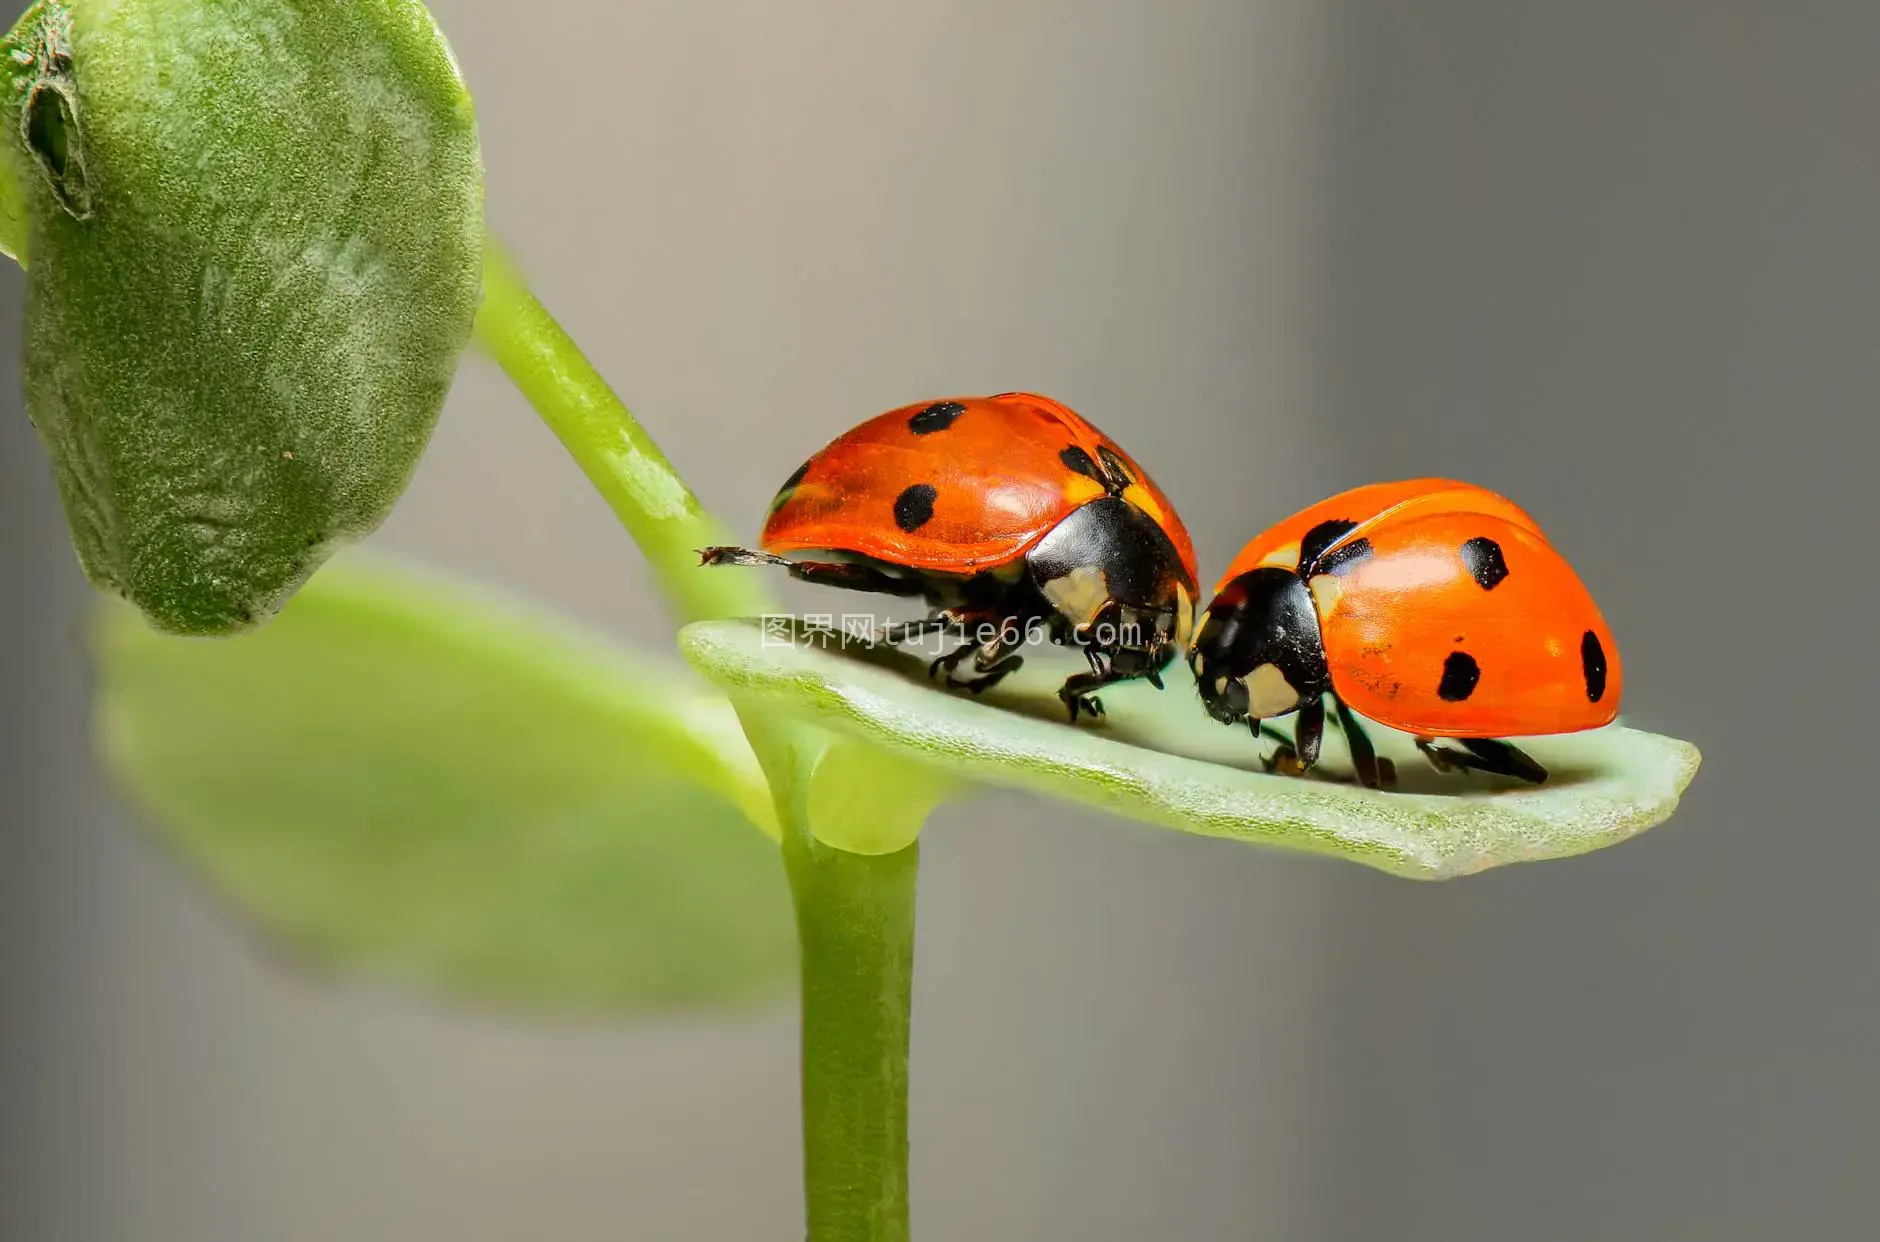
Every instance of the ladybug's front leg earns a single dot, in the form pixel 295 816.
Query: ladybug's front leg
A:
pixel 1301 754
pixel 1075 692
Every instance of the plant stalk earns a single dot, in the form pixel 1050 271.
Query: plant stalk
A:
pixel 855 913
pixel 635 479
pixel 652 502
pixel 855 922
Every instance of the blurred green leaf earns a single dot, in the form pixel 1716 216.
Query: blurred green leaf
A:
pixel 415 782
pixel 255 232
pixel 1159 758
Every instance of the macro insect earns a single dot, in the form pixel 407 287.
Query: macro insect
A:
pixel 1003 513
pixel 1429 606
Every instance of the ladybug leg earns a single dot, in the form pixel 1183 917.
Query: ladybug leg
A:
pixel 1440 759
pixel 961 618
pixel 1297 756
pixel 842 574
pixel 907 631
pixel 951 660
pixel 1284 759
pixel 994 674
pixel 1489 754
pixel 1075 692
pixel 1309 733
pixel 968 621
pixel 720 555
pixel 1483 754
pixel 1076 697
pixel 1358 742
pixel 994 661
pixel 850 577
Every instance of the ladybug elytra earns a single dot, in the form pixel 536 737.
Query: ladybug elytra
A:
pixel 1430 606
pixel 1002 513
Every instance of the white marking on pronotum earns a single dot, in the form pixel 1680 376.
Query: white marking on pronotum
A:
pixel 1269 693
pixel 1184 617
pixel 1081 593
pixel 1326 588
pixel 1285 556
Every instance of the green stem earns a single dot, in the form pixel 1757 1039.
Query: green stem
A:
pixel 855 913
pixel 855 921
pixel 619 458
pixel 652 502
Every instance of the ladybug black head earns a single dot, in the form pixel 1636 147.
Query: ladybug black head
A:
pixel 1258 652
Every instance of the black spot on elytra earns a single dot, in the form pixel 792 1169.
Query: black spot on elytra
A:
pixel 789 487
pixel 1319 538
pixel 1343 555
pixel 1460 673
pixel 1116 468
pixel 1076 459
pixel 913 508
pixel 936 417
pixel 1483 558
pixel 1593 664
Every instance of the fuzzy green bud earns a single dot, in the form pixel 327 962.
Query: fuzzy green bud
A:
pixel 254 234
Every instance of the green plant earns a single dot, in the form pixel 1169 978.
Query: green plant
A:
pixel 240 330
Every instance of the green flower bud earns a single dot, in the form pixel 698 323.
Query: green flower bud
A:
pixel 255 234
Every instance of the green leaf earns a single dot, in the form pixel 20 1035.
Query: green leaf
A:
pixel 255 230
pixel 1159 758
pixel 414 782
pixel 865 800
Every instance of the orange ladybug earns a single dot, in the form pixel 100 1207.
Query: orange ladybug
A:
pixel 1430 606
pixel 1004 513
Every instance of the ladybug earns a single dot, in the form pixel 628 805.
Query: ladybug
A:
pixel 1430 606
pixel 1004 513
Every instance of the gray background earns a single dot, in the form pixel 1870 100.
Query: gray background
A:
pixel 1616 259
